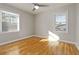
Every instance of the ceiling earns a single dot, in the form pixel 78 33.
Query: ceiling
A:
pixel 29 6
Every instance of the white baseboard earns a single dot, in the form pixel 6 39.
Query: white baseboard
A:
pixel 15 40
pixel 68 41
pixel 31 36
pixel 43 36
pixel 59 40
pixel 36 36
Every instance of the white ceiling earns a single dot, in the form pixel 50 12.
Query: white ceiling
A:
pixel 29 6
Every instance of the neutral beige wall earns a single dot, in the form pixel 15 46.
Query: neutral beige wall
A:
pixel 45 22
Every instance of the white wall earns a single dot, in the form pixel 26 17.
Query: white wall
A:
pixel 77 25
pixel 26 24
pixel 41 23
pixel 45 22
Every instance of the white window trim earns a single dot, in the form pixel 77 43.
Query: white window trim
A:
pixel 60 13
pixel 18 20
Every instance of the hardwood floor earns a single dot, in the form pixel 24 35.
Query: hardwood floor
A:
pixel 38 46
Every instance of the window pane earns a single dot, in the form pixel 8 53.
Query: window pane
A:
pixel 60 19
pixel 61 23
pixel 5 22
pixel 13 23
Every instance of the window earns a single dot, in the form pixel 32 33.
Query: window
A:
pixel 61 22
pixel 9 22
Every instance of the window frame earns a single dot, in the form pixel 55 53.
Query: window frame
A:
pixel 18 21
pixel 59 14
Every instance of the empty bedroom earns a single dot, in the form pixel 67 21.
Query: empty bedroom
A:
pixel 39 29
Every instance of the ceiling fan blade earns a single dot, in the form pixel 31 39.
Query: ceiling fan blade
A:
pixel 43 5
pixel 35 3
pixel 40 5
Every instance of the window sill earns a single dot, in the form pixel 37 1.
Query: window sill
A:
pixel 8 32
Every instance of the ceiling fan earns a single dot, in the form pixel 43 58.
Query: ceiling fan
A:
pixel 36 6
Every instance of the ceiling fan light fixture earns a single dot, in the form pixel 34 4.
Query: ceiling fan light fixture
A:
pixel 36 7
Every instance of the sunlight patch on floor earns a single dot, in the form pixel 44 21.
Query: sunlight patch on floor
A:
pixel 44 40
pixel 53 39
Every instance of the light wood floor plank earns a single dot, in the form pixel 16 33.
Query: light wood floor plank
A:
pixel 38 46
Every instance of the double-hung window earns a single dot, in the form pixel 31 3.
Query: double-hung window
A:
pixel 9 22
pixel 61 22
